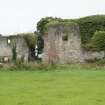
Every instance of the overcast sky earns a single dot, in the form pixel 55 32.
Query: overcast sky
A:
pixel 18 16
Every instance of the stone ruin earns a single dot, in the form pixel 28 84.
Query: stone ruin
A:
pixel 62 44
pixel 7 43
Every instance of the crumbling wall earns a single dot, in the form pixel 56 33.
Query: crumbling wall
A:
pixel 57 50
pixel 22 49
pixel 6 49
pixel 93 55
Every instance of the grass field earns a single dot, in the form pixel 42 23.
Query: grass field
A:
pixel 58 87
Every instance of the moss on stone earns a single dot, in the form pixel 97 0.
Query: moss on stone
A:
pixel 57 23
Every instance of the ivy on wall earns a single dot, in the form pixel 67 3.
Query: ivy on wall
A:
pixel 88 26
pixel 14 56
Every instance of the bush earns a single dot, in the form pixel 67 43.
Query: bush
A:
pixel 41 25
pixel 88 25
pixel 101 62
pixel 90 47
pixel 14 57
pixel 30 39
pixel 98 40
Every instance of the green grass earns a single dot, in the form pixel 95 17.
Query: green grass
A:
pixel 71 86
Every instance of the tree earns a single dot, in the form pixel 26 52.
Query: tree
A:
pixel 30 39
pixel 14 56
pixel 40 44
pixel 42 23
pixel 98 40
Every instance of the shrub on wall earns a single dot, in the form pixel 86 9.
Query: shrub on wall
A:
pixel 14 52
pixel 41 25
pixel 88 25
pixel 40 44
pixel 30 39
pixel 98 40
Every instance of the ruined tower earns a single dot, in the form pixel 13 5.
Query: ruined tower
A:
pixel 62 44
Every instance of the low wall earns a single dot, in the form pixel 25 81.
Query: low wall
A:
pixel 90 55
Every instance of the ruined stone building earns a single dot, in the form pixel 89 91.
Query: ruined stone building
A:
pixel 11 46
pixel 62 44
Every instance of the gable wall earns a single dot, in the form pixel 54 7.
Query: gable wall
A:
pixel 22 49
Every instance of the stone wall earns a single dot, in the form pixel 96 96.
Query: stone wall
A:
pixel 5 49
pixel 57 50
pixel 92 55
pixel 22 49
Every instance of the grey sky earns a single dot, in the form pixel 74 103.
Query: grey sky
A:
pixel 22 15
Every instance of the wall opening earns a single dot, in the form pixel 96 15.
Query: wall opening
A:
pixel 8 41
pixel 65 37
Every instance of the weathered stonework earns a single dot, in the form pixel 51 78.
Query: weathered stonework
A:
pixel 57 50
pixel 90 55
pixel 6 48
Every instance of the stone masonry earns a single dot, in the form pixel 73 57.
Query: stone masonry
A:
pixel 6 48
pixel 57 50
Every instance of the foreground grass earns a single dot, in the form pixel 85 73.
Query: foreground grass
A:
pixel 70 86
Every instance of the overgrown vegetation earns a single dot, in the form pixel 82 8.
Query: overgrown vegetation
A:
pixel 14 52
pixel 31 39
pixel 34 66
pixel 48 21
pixel 88 26
pixel 41 25
pixel 40 44
pixel 98 40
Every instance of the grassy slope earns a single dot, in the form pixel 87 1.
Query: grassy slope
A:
pixel 73 87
